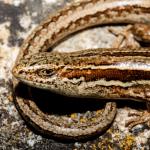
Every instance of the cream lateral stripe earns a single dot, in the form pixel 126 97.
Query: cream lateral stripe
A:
pixel 118 66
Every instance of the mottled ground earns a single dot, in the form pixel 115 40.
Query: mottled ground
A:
pixel 17 19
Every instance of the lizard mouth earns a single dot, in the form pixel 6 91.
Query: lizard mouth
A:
pixel 32 83
pixel 37 81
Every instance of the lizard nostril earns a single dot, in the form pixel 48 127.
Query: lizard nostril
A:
pixel 21 72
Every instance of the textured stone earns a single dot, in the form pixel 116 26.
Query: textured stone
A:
pixel 17 19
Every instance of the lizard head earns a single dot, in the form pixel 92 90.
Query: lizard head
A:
pixel 41 70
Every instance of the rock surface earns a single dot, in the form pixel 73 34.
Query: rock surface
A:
pixel 17 19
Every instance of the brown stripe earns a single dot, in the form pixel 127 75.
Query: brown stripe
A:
pixel 136 92
pixel 108 74
pixel 112 52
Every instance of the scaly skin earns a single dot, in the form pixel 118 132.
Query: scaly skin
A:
pixel 95 74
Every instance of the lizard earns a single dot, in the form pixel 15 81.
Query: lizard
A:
pixel 98 73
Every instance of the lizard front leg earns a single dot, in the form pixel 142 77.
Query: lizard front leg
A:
pixel 141 33
pixel 129 37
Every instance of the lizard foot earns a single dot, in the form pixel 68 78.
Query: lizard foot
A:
pixel 125 38
pixel 141 117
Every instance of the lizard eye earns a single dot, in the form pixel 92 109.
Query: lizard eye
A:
pixel 46 72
